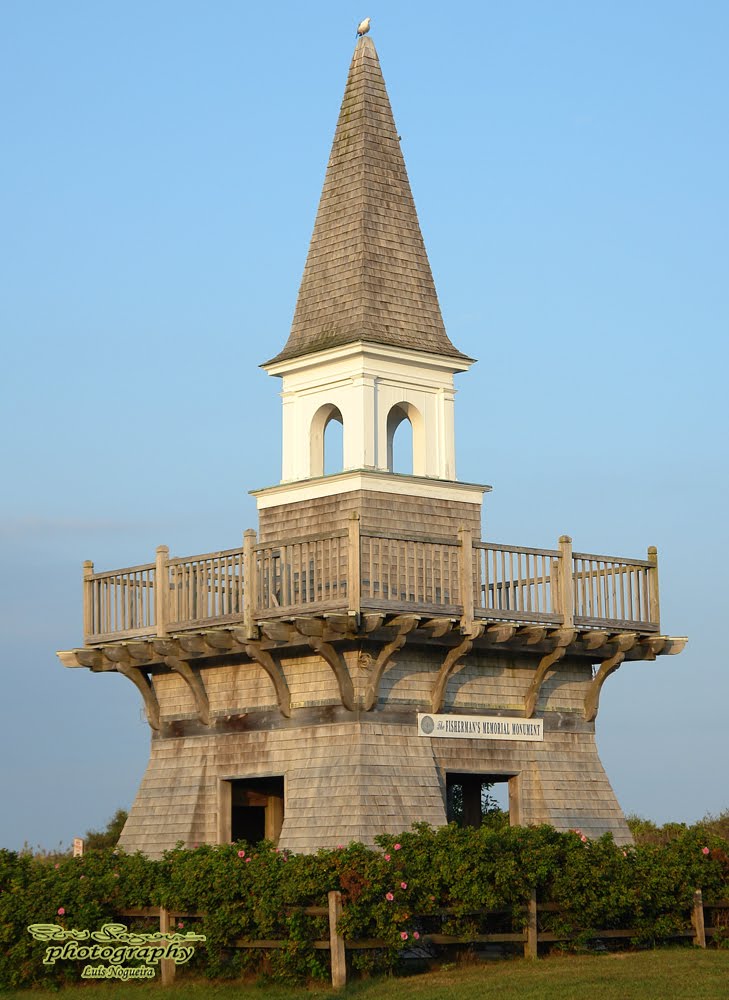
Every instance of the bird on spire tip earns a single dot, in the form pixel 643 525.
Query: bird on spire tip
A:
pixel 363 27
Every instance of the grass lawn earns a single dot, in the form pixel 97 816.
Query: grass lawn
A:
pixel 670 974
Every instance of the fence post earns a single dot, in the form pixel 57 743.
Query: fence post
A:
pixel 567 598
pixel 161 589
pixel 336 942
pixel 532 935
pixel 167 965
pixel 250 596
pixel 653 598
pixel 88 599
pixel 465 572
pixel 354 583
pixel 697 920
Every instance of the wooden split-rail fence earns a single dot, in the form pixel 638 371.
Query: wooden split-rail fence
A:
pixel 350 570
pixel 530 938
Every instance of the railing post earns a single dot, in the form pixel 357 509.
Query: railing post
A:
pixel 167 965
pixel 697 920
pixel 250 596
pixel 465 572
pixel 532 932
pixel 653 598
pixel 354 583
pixel 566 585
pixel 337 950
pixel 161 589
pixel 88 586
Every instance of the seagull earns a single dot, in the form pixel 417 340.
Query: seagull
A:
pixel 364 26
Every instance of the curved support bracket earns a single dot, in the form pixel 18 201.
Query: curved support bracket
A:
pixel 336 661
pixel 607 667
pixel 143 683
pixel 562 639
pixel 192 678
pixel 383 661
pixel 264 659
pixel 454 656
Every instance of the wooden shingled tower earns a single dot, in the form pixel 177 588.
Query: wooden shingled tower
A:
pixel 366 652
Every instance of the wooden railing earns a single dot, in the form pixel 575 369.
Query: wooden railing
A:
pixel 307 573
pixel 412 572
pixel 516 584
pixel 608 590
pixel 206 589
pixel 348 570
pixel 121 601
pixel 697 929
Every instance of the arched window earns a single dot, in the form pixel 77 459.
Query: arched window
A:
pixel 405 440
pixel 326 441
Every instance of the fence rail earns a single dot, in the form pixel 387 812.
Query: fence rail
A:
pixel 351 570
pixel 530 936
pixel 516 583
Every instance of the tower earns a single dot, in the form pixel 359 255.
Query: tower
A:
pixel 331 678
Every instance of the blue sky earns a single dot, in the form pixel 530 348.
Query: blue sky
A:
pixel 161 166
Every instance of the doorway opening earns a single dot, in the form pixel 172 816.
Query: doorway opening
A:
pixel 482 799
pixel 256 809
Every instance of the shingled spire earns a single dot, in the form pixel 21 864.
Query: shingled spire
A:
pixel 367 276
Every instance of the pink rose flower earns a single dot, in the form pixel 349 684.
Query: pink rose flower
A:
pixel 60 911
pixel 247 860
pixel 387 858
pixel 583 838
pixel 705 850
pixel 340 847
pixel 389 897
pixel 416 935
pixel 56 865
pixel 396 847
pixel 241 854
pixel 404 935
pixel 180 925
pixel 403 885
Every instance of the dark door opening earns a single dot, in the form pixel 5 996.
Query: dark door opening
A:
pixel 257 809
pixel 472 799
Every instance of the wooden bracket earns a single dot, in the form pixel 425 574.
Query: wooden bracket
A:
pixel 404 627
pixel 91 658
pixel 500 633
pixel 595 640
pixel 141 651
pixel 531 634
pixel 144 685
pixel 623 643
pixel 222 642
pixel 191 676
pixel 264 659
pixel 438 627
pixel 455 654
pixel 277 631
pixel 310 626
pixel 371 622
pixel 336 661
pixel 651 646
pixel 561 638
pixel 195 645
pixel 342 624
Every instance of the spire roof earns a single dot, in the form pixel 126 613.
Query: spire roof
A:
pixel 367 275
